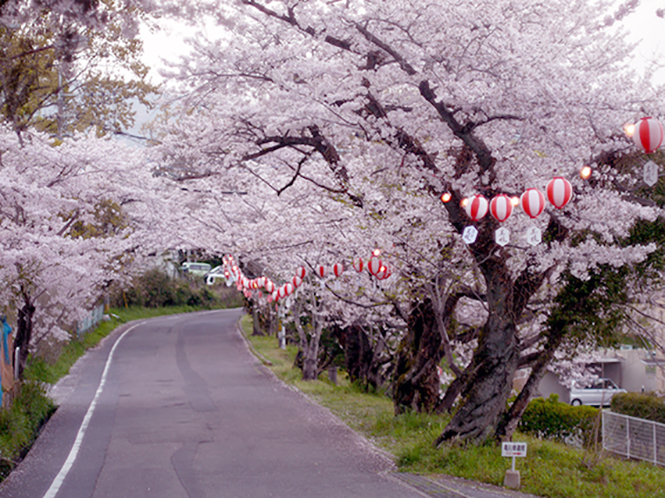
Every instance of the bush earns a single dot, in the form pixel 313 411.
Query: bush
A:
pixel 20 424
pixel 550 419
pixel 647 406
pixel 155 289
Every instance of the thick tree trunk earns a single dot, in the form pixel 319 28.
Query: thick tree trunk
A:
pixel 488 386
pixel 416 380
pixel 511 418
pixel 24 333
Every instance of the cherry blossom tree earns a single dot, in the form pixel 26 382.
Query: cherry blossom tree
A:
pixel 383 106
pixel 58 251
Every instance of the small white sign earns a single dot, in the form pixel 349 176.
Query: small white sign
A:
pixel 502 236
pixel 513 449
pixel 534 236
pixel 470 234
pixel 650 173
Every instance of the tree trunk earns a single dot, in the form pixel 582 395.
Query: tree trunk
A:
pixel 416 380
pixel 488 386
pixel 23 333
pixel 511 418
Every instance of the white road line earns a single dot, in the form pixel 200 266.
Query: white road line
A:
pixel 73 453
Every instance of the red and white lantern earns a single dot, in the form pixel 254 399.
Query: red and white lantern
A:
pixel 321 271
pixel 301 272
pixel 374 265
pixel 297 281
pixel 358 265
pixel 533 202
pixel 270 286
pixel 288 289
pixel 648 134
pixel 476 207
pixel 338 269
pixel 559 192
pixel 275 295
pixel 501 207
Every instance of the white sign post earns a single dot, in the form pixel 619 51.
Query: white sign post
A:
pixel 512 450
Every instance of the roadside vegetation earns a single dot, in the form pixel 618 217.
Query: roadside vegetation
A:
pixel 551 469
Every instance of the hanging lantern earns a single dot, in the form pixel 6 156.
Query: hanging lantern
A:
pixel 533 202
pixel 321 271
pixel 288 289
pixel 301 272
pixel 476 207
pixel 559 192
pixel 275 295
pixel 358 265
pixel 270 286
pixel 501 207
pixel 282 292
pixel 338 269
pixel 648 134
pixel 297 281
pixel 374 265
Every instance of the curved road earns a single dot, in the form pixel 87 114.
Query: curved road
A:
pixel 185 411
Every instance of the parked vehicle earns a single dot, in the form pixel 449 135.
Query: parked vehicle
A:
pixel 195 268
pixel 215 273
pixel 597 394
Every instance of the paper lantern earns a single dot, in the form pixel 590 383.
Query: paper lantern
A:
pixel 374 265
pixel 501 207
pixel 288 289
pixel 275 295
pixel 270 286
pixel 297 281
pixel 321 271
pixel 476 207
pixel 559 192
pixel 533 202
pixel 301 272
pixel 338 269
pixel 648 134
pixel 358 265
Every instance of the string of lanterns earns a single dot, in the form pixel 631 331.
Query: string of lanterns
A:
pixel 233 274
pixel 647 134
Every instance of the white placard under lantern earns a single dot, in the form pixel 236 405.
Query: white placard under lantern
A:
pixel 534 236
pixel 502 236
pixel 470 234
pixel 650 173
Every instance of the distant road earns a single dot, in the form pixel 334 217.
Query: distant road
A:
pixel 185 411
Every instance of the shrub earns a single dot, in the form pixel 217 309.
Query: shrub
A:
pixel 647 406
pixel 20 424
pixel 550 419
pixel 155 289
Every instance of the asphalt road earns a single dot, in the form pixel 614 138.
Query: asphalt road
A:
pixel 185 411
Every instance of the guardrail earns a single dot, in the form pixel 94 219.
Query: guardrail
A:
pixel 90 321
pixel 634 437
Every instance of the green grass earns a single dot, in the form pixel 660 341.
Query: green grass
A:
pixel 549 470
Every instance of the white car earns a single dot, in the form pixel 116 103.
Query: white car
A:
pixel 195 268
pixel 597 394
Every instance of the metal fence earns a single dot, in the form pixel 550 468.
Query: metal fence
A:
pixel 90 321
pixel 634 437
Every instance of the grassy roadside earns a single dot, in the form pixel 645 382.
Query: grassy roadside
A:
pixel 31 408
pixel 549 470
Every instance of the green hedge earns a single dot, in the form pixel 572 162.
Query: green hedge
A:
pixel 647 406
pixel 550 419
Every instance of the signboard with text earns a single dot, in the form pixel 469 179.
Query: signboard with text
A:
pixel 511 449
